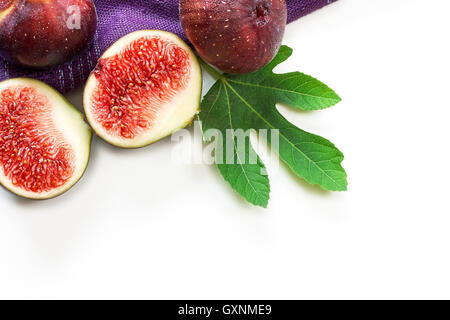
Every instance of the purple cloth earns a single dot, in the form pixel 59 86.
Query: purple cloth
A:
pixel 118 18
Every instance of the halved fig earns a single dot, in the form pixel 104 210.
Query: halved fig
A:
pixel 44 142
pixel 144 88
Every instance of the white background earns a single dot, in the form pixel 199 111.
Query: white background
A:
pixel 138 226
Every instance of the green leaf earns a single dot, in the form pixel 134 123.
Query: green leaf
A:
pixel 247 179
pixel 295 89
pixel 248 102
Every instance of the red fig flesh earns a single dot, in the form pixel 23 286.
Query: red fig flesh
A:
pixel 44 142
pixel 236 36
pixel 145 87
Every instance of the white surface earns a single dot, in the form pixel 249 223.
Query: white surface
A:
pixel 138 226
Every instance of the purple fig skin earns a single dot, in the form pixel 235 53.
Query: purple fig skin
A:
pixel 42 34
pixel 236 36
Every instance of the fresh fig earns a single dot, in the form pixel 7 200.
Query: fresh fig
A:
pixel 145 87
pixel 236 36
pixel 45 33
pixel 44 142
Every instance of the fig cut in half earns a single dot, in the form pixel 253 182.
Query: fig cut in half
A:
pixel 144 88
pixel 44 142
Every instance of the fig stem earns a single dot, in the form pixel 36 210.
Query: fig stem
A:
pixel 216 74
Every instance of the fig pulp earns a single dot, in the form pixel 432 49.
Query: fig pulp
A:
pixel 45 33
pixel 44 142
pixel 145 87
pixel 236 36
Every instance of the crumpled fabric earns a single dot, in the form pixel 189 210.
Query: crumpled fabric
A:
pixel 118 18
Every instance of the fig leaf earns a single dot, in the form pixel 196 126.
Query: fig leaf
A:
pixel 241 103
